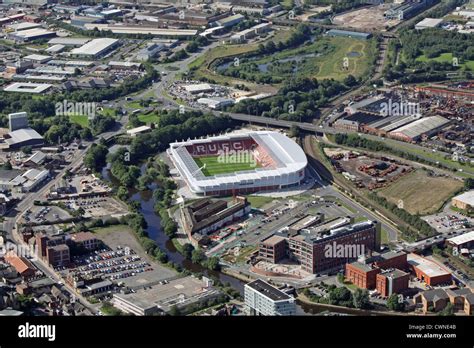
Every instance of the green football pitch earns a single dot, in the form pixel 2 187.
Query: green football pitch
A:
pixel 215 167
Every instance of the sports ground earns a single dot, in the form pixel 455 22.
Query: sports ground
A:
pixel 214 165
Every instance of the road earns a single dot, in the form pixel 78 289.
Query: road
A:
pixel 10 223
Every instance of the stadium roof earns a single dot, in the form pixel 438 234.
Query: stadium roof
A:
pixel 463 238
pixel 466 197
pixel 95 47
pixel 421 126
pixel 287 155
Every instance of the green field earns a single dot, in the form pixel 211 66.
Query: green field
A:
pixel 200 67
pixel 81 120
pixel 259 201
pixel 421 194
pixel 447 58
pixel 149 118
pixel 214 167
pixel 322 59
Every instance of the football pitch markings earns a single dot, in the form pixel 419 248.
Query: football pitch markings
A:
pixel 215 167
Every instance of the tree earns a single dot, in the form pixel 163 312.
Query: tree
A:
pixel 294 131
pixel 213 263
pixel 394 303
pixel 95 157
pixel 174 311
pixel 361 298
pixel 198 256
pixel 188 251
pixel 448 310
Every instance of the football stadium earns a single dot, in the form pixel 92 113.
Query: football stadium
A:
pixel 239 163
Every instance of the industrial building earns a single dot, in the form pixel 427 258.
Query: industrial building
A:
pixel 351 34
pixel 28 87
pixel 282 163
pixel 407 9
pixel 160 298
pixel 463 241
pixel 216 103
pixel 20 134
pixel 229 21
pixel 426 126
pixel 464 201
pixel 150 51
pixel 205 216
pixel 264 299
pixel 95 48
pixel 30 35
pixel 428 271
pixel 429 23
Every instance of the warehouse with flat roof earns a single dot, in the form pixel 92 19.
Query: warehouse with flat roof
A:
pixel 426 126
pixel 346 33
pixel 28 87
pixel 31 35
pixel 95 48
pixel 464 201
pixel 429 23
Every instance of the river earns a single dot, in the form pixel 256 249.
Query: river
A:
pixel 155 232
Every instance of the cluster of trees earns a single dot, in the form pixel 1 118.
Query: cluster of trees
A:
pixel 249 70
pixel 198 257
pixel 96 156
pixel 138 224
pixel 341 296
pixel 336 6
pixel 101 123
pixel 299 99
pixel 55 128
pixel 394 303
pixel 421 229
pixel 196 43
pixel 434 42
pixel 353 140
pixel 123 169
pixel 175 126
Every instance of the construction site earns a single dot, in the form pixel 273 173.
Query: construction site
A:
pixel 367 171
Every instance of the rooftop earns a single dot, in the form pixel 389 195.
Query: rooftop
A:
pixel 463 238
pixel 466 197
pixel 268 290
pixel 428 267
pixel 95 46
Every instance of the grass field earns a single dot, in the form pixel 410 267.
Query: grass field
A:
pixel 81 120
pixel 213 166
pixel 322 59
pixel 259 201
pixel 202 64
pixel 421 194
pixel 149 118
pixel 447 58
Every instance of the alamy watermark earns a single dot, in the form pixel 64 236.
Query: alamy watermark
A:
pixel 70 108
pixel 399 108
pixel 236 156
pixel 347 251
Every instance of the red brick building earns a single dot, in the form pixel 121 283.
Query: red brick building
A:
pixel 392 282
pixel 362 275
pixel 272 249
pixel 428 271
